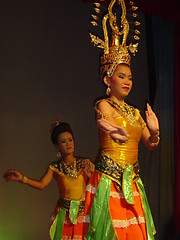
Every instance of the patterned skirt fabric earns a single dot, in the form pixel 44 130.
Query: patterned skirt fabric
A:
pixel 71 231
pixel 127 220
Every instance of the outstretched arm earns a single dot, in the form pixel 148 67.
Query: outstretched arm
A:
pixel 150 135
pixel 118 134
pixel 14 175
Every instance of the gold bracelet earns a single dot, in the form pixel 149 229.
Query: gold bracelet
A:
pixel 156 134
pixel 24 179
pixel 153 144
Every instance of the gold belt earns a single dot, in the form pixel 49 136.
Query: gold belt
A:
pixel 114 170
pixel 66 204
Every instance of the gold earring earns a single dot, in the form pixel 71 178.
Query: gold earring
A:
pixel 58 154
pixel 108 91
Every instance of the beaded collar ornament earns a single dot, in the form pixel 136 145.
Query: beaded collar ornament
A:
pixel 116 51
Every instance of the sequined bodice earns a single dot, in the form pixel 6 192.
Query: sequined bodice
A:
pixel 126 153
pixel 70 179
pixel 71 189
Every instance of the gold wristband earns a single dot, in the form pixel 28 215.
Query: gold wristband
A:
pixel 153 144
pixel 24 179
pixel 155 134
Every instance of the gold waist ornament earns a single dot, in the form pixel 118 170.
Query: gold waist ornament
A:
pixel 114 170
pixel 66 205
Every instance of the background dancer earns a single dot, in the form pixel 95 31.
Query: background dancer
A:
pixel 71 174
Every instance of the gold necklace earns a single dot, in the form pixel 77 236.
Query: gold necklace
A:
pixel 70 169
pixel 127 110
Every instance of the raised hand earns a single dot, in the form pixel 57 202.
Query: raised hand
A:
pixel 117 133
pixel 13 175
pixel 89 168
pixel 151 119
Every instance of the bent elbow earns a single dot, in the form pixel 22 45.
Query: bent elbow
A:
pixel 42 186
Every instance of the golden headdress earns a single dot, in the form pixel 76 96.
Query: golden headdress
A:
pixel 115 51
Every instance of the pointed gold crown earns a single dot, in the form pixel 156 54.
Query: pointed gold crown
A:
pixel 115 51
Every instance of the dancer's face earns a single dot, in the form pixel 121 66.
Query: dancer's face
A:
pixel 121 81
pixel 65 143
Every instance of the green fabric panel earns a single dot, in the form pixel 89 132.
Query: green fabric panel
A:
pixel 127 184
pixel 100 226
pixel 149 220
pixel 73 211
pixel 56 229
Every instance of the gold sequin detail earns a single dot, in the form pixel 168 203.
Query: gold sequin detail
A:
pixel 66 203
pixel 102 115
pixel 126 110
pixel 114 170
pixel 72 171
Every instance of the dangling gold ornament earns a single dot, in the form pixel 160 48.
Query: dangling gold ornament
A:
pixel 54 125
pixel 108 91
pixel 58 154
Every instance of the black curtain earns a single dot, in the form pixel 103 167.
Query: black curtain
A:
pixel 160 164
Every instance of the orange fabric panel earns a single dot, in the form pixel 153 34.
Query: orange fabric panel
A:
pixel 129 219
pixel 72 231
pixel 133 232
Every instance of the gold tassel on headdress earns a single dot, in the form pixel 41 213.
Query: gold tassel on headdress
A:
pixel 54 125
pixel 115 51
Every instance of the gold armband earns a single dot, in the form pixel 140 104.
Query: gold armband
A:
pixel 102 115
pixel 24 179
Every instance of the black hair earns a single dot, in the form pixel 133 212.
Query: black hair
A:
pixel 62 127
pixel 104 75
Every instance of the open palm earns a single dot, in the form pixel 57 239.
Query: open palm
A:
pixel 117 133
pixel 151 119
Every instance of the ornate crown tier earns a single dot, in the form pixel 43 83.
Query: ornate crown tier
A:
pixel 115 51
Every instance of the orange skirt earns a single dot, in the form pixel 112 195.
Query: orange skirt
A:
pixel 128 220
pixel 72 231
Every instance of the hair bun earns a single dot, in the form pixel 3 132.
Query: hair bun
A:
pixel 54 125
pixel 57 128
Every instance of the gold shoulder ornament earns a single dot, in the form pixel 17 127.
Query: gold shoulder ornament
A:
pixel 116 50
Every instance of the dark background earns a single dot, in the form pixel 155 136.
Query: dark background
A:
pixel 49 70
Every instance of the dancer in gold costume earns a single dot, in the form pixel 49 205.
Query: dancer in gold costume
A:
pixel 116 206
pixel 71 174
